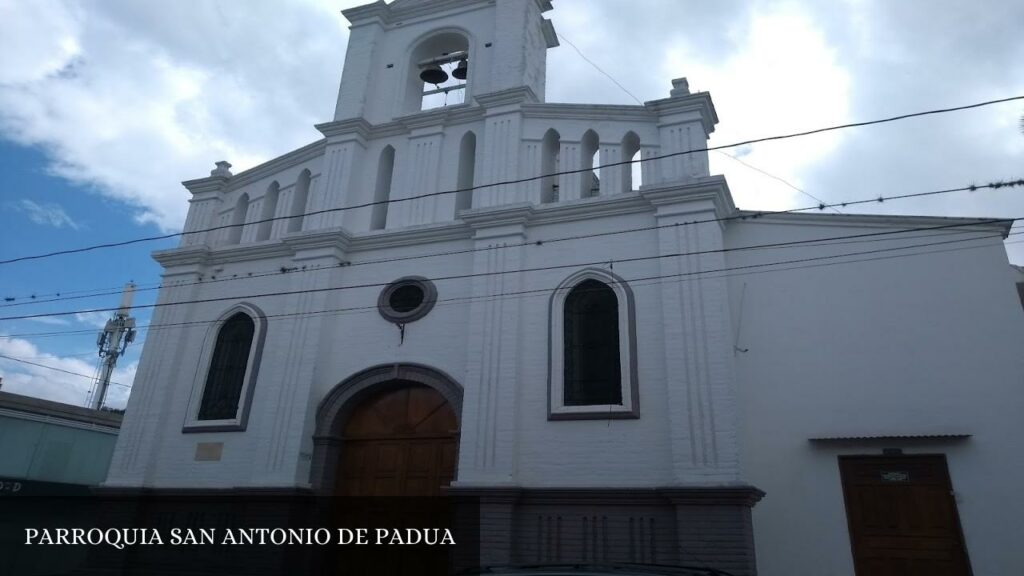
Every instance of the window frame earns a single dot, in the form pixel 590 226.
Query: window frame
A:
pixel 630 407
pixel 240 422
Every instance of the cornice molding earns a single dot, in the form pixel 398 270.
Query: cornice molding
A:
pixel 739 495
pixel 273 167
pixel 620 112
pixel 590 208
pixel 699 102
pixel 398 13
pixel 367 13
pixel 442 117
pixel 410 236
pixel 673 198
pixel 185 256
pixel 547 28
pixel 728 495
pixel 519 214
pixel 520 95
pixel 210 184
pixel 357 127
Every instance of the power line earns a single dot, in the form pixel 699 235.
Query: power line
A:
pixel 820 206
pixel 521 270
pixel 598 68
pixel 779 178
pixel 726 154
pixel 365 308
pixel 522 180
pixel 23 361
pixel 642 281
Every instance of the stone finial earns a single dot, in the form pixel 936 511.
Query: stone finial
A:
pixel 223 169
pixel 680 87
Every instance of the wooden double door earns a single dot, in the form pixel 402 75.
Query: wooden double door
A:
pixel 401 441
pixel 902 516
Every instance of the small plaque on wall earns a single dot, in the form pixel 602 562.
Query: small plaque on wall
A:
pixel 209 451
pixel 895 476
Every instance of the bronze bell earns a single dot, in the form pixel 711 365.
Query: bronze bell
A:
pixel 433 74
pixel 461 70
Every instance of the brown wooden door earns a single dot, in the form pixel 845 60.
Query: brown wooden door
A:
pixel 902 516
pixel 399 443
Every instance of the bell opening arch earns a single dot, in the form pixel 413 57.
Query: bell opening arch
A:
pixel 442 50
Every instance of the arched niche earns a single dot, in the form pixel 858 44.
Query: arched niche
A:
pixel 467 172
pixel 382 189
pixel 590 180
pixel 299 201
pixel 267 213
pixel 549 166
pixel 238 217
pixel 631 173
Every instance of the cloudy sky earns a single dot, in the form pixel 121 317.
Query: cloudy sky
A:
pixel 106 106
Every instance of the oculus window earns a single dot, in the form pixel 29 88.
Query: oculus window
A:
pixel 407 299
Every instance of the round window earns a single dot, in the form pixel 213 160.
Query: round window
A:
pixel 407 299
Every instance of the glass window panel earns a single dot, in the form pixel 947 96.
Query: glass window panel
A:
pixel 227 369
pixel 593 374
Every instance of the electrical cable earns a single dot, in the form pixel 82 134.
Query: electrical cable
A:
pixel 726 154
pixel 521 180
pixel 23 361
pixel 779 178
pixel 541 242
pixel 502 272
pixel 547 291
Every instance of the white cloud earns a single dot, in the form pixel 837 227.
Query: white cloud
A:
pixel 783 77
pixel 40 382
pixel 96 319
pixel 33 52
pixel 133 100
pixel 47 214
pixel 51 320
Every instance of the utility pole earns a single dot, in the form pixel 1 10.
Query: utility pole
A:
pixel 112 342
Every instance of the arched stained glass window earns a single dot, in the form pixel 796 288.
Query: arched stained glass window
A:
pixel 226 375
pixel 592 370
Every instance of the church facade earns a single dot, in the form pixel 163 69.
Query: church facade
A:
pixel 463 288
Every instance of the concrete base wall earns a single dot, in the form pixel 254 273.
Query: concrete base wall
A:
pixel 706 526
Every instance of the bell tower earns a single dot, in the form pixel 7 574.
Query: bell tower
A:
pixel 411 55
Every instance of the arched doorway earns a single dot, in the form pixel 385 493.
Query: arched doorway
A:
pixel 388 430
pixel 399 441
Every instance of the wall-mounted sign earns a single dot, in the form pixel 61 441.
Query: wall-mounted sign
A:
pixel 895 476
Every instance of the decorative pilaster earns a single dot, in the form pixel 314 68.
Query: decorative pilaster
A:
pixel 612 177
pixel 487 449
pixel 569 185
pixel 685 121
pixel 159 377
pixel 336 185
pixel 698 345
pixel 531 164
pixel 205 205
pixel 287 437
pixel 500 161
pixel 417 172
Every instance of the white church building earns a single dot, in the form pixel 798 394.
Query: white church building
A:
pixel 463 288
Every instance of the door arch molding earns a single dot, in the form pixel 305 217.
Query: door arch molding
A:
pixel 336 408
